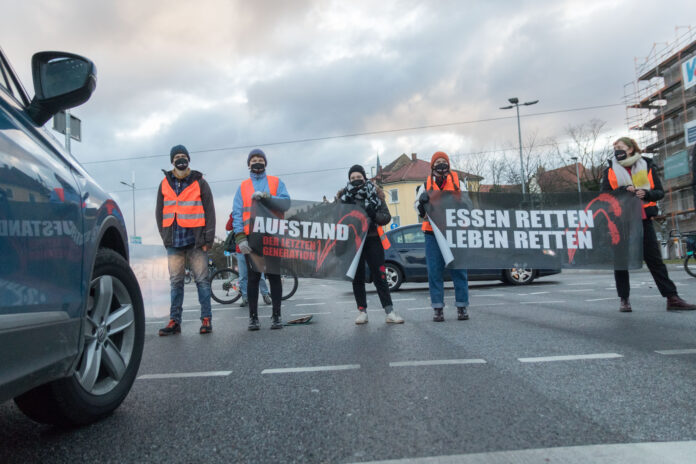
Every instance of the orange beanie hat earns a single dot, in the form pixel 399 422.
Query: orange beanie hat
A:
pixel 437 155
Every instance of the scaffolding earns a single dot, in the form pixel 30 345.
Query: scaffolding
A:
pixel 657 106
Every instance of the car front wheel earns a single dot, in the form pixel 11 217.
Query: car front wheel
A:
pixel 112 346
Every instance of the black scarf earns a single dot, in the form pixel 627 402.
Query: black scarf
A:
pixel 365 195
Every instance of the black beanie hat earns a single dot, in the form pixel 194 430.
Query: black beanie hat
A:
pixel 176 149
pixel 256 152
pixel 357 168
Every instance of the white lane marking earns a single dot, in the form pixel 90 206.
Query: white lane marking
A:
pixel 310 304
pixel 181 375
pixel 285 370
pixel 673 352
pixel 539 293
pixel 601 299
pixel 404 299
pixel 583 283
pixel 572 357
pixel 416 309
pixel 539 302
pixel 307 314
pixel 437 362
pixel 622 453
pixel 491 304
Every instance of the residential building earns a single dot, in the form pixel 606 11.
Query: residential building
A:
pixel 401 178
pixel 563 179
pixel 661 108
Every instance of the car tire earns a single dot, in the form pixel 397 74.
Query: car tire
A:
pixel 519 276
pixel 112 346
pixel 394 276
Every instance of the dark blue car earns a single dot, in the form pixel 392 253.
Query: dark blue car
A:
pixel 71 311
pixel 405 262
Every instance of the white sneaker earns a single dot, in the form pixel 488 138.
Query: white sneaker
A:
pixel 362 318
pixel 393 318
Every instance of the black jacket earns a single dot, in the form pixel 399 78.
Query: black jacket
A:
pixel 204 235
pixel 653 195
pixel 381 216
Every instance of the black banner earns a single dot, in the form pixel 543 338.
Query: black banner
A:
pixel 312 239
pixel 503 230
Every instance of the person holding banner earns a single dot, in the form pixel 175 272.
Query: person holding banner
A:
pixel 272 192
pixel 185 215
pixel 441 178
pixel 243 278
pixel 630 171
pixel 364 193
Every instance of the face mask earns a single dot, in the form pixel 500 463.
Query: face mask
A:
pixel 258 168
pixel 620 154
pixel 441 169
pixel 181 164
pixel 357 183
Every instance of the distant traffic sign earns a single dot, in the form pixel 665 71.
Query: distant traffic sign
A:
pixel 136 240
pixel 394 225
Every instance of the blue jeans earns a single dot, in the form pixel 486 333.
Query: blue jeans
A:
pixel 244 277
pixel 436 268
pixel 198 261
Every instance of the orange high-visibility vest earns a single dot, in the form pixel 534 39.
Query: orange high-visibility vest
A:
pixel 615 183
pixel 451 184
pixel 187 207
pixel 383 237
pixel 247 190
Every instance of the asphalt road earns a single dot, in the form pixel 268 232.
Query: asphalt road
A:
pixel 549 365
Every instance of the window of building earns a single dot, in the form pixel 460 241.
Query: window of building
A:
pixel 393 196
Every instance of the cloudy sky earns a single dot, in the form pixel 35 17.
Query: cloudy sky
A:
pixel 224 76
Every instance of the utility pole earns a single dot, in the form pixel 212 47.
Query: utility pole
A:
pixel 132 186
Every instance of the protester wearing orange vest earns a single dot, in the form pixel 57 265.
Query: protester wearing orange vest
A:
pixel 365 194
pixel 629 171
pixel 185 215
pixel 272 192
pixel 441 178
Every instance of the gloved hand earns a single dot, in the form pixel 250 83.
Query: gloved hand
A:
pixel 421 210
pixel 260 195
pixel 370 210
pixel 244 247
pixel 424 198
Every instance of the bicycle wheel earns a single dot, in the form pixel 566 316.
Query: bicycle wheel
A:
pixel 224 286
pixel 289 280
pixel 690 264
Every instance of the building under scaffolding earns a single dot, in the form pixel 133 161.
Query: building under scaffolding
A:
pixel 661 110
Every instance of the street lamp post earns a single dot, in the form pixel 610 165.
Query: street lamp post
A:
pixel 132 186
pixel 515 103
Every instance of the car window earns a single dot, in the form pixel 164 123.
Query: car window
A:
pixel 4 78
pixel 412 236
pixel 397 237
pixel 8 82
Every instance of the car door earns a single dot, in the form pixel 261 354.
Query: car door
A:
pixel 41 235
pixel 410 244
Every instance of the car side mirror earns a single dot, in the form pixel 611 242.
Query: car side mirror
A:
pixel 61 81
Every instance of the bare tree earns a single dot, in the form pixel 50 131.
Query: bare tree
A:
pixel 533 158
pixel 472 163
pixel 587 143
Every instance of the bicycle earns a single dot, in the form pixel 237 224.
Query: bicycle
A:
pixel 690 258
pixel 225 289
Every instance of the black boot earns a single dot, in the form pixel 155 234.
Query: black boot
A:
pixel 253 320
pixel 462 315
pixel 438 316
pixel 275 320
